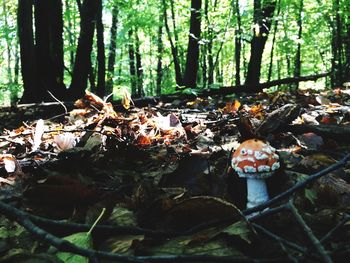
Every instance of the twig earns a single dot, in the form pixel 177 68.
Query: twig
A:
pixel 298 186
pixel 280 239
pixel 314 240
pixel 66 246
pixel 335 228
pixel 60 102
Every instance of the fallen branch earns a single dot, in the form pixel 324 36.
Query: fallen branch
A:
pixel 63 245
pixel 337 132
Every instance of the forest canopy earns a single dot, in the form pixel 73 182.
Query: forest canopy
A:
pixel 153 47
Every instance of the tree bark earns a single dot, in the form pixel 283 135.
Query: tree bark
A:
pixel 192 58
pixel 139 69
pixel 238 44
pixel 297 67
pixel 101 59
pixel 160 50
pixel 132 66
pixel 49 47
pixel 32 91
pixel 83 53
pixel 273 41
pixel 174 49
pixel 262 24
pixel 112 50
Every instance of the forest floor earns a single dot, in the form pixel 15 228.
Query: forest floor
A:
pixel 157 181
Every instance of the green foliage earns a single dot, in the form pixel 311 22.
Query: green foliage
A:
pixel 83 240
pixel 219 30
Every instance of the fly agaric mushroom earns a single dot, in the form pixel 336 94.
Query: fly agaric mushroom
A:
pixel 255 160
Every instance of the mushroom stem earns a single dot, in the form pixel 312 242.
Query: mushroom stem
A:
pixel 257 192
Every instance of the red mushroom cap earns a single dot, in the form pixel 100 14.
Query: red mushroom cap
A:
pixel 255 159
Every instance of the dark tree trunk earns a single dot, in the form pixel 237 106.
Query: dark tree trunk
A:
pixel 238 44
pixel 49 46
pixel 101 58
pixel 269 75
pixel 82 59
pixel 16 70
pixel 139 69
pixel 262 20
pixel 132 66
pixel 347 45
pixel 337 67
pixel 192 58
pixel 160 50
pixel 174 49
pixel 297 67
pixel 32 91
pixel 112 50
pixel 70 34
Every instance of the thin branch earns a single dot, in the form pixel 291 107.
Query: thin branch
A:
pixel 298 186
pixel 345 219
pixel 66 246
pixel 280 239
pixel 307 230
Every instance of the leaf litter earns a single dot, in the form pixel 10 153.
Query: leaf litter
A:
pixel 167 169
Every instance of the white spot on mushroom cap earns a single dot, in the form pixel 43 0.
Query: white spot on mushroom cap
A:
pixel 249 169
pixel 275 166
pixel 260 155
pixel 267 149
pixel 250 152
pixel 263 168
pixel 275 156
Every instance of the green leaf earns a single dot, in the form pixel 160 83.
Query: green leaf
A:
pixel 82 240
pixel 241 229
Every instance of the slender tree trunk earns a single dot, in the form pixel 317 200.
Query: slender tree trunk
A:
pixel 82 62
pixel 269 75
pixel 16 70
pixel 262 25
pixel 132 66
pixel 347 45
pixel 8 42
pixel 174 49
pixel 70 34
pixel 32 91
pixel 139 69
pixel 160 50
pixel 112 50
pixel 238 44
pixel 192 58
pixel 101 58
pixel 297 67
pixel 337 67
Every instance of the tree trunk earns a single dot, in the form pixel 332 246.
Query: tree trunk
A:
pixel 192 58
pixel 83 53
pixel 70 34
pixel 160 50
pixel 347 45
pixel 273 41
pixel 49 47
pixel 174 49
pixel 297 67
pixel 132 66
pixel 112 50
pixel 337 67
pixel 238 44
pixel 101 59
pixel 262 25
pixel 32 91
pixel 8 41
pixel 139 69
